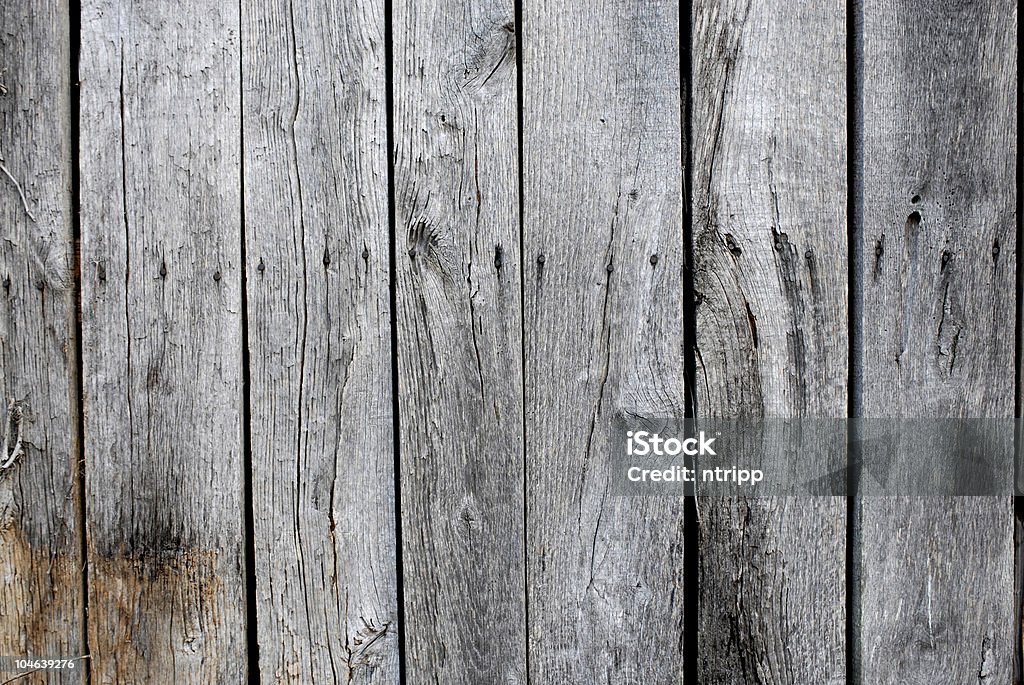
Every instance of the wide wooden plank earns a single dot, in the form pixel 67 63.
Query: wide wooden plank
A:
pixel 769 241
pixel 936 101
pixel 41 602
pixel 604 265
pixel 316 230
pixel 458 298
pixel 162 347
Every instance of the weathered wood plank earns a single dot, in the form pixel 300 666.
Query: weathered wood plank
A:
pixel 161 280
pixel 604 254
pixel 937 90
pixel 770 280
pixel 458 294
pixel 41 602
pixel 316 228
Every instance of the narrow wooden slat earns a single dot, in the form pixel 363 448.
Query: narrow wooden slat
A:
pixel 937 94
pixel 161 310
pixel 316 229
pixel 604 266
pixel 40 570
pixel 458 317
pixel 769 208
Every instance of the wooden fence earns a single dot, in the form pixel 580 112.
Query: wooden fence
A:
pixel 314 316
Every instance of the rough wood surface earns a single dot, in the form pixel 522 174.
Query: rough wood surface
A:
pixel 41 603
pixel 459 340
pixel 316 228
pixel 770 278
pixel 162 346
pixel 603 302
pixel 937 88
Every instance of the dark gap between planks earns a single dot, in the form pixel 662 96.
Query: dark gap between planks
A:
pixel 389 106
pixel 251 625
pixel 854 359
pixel 78 383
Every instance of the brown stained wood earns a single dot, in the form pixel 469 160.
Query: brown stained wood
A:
pixel 458 293
pixel 603 279
pixel 316 228
pixel 937 97
pixel 162 346
pixel 769 241
pixel 41 603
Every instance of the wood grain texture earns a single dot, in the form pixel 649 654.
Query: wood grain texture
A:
pixel 41 602
pixel 769 241
pixel 937 94
pixel 162 347
pixel 316 228
pixel 603 238
pixel 458 294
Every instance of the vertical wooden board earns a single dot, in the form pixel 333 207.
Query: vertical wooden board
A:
pixel 40 574
pixel 316 230
pixel 604 255
pixel 770 281
pixel 161 319
pixel 458 299
pixel 937 87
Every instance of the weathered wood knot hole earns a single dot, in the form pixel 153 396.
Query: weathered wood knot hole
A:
pixel 654 260
pixel 7 282
pixel 163 269
pixel 780 238
pixel 995 250
pixel 366 254
pixel 734 248
pixel 40 285
pixel 217 275
pixel 698 298
pixel 879 247
pixel 499 256
pixel 509 26
pixel 101 272
pixel 946 257
pixel 261 267
pixel 914 200
pixel 609 267
pixel 10 451
pixel 913 220
pixel 809 255
pixel 327 257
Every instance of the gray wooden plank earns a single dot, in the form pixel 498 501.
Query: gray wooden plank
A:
pixel 41 602
pixel 316 229
pixel 937 89
pixel 161 310
pixel 770 280
pixel 604 263
pixel 458 295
